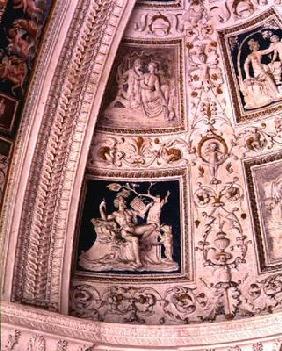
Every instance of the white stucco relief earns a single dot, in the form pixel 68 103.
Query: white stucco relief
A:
pixel 229 212
pixel 212 144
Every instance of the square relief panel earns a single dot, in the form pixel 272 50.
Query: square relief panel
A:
pixel 145 89
pixel 264 179
pixel 253 58
pixel 134 226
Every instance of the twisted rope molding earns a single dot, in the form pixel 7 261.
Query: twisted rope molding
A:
pixel 42 235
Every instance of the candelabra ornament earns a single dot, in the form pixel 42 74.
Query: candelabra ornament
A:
pixel 220 253
pixel 224 274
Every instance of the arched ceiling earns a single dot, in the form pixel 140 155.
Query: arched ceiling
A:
pixel 180 217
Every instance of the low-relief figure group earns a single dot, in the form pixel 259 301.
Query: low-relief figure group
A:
pixel 131 237
pixel 143 91
pixel 263 67
pixel 253 58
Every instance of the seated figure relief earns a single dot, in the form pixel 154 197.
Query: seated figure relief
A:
pixel 145 95
pixel 132 237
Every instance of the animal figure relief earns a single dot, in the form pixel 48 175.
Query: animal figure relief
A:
pixel 123 243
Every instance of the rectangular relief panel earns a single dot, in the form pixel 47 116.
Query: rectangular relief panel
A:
pixel 145 89
pixel 134 226
pixel 264 179
pixel 252 53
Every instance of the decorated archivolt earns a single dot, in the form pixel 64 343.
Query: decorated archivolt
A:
pixel 180 213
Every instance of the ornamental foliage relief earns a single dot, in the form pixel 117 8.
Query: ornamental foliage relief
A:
pixel 180 218
pixel 187 159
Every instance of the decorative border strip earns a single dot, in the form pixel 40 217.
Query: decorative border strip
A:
pixel 160 4
pixel 42 237
pixel 197 335
pixel 19 160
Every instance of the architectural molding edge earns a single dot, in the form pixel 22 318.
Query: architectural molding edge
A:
pixel 67 122
pixel 250 329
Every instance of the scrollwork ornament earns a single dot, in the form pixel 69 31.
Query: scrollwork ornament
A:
pixel 139 152
pixel 62 345
pixel 210 147
pixel 260 138
pixel 86 348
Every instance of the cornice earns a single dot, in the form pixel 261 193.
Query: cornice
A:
pixel 227 332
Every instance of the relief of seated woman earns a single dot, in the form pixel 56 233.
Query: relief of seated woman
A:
pixel 123 244
pixel 117 243
pixel 154 95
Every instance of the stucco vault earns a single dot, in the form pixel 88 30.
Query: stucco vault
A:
pixel 145 183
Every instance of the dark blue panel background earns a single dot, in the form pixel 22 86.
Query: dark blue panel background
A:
pixel 96 190
pixel 245 51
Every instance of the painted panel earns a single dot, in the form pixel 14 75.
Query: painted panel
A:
pixel 21 28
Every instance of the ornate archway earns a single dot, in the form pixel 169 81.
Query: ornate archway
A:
pixel 208 147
